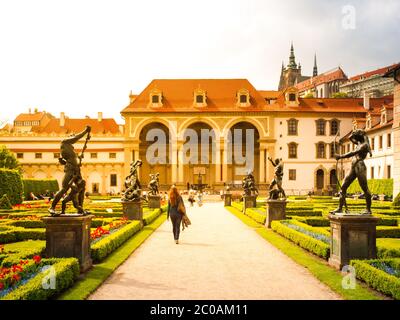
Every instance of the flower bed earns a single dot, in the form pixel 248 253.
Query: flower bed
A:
pixel 14 252
pixel 312 242
pixel 66 271
pixel 106 230
pixel 382 275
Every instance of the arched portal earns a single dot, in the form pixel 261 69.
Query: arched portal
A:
pixel 199 154
pixel 243 151
pixel 333 180
pixel 155 153
pixel 320 176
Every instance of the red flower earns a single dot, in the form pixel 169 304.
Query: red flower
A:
pixel 17 268
pixel 15 278
pixel 1 286
pixel 37 259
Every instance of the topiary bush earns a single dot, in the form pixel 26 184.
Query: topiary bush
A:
pixel 5 202
pixel 39 186
pixel 11 185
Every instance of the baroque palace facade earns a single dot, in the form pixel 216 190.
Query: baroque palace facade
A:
pixel 304 132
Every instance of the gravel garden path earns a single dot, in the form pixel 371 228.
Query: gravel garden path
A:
pixel 218 257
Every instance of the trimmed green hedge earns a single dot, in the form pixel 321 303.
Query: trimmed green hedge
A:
pixel 11 185
pixel 10 234
pixel 387 232
pixel 306 242
pixel 376 278
pixel 5 202
pixel 150 217
pixel 15 252
pixel 104 247
pixel 39 186
pixel 66 271
pixel 376 186
pixel 256 215
pixel 313 221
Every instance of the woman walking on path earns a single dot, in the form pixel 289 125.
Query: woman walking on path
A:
pixel 175 208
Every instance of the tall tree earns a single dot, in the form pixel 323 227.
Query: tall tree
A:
pixel 8 160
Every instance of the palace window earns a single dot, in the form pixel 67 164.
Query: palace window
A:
pixel 20 155
pixel 292 150
pixel 155 98
pixel 200 98
pixel 292 174
pixel 112 155
pixel 334 127
pixel 292 127
pixel 334 150
pixel 389 140
pixel 38 155
pixel 56 155
pixel 113 180
pixel 372 173
pixel 372 143
pixel 321 124
pixel 389 171
pixel 320 150
pixel 292 97
pixel 243 98
pixel 380 142
pixel 93 155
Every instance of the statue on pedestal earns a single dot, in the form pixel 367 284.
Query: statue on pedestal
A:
pixel 154 184
pixel 278 192
pixel 249 185
pixel 133 189
pixel 72 180
pixel 358 169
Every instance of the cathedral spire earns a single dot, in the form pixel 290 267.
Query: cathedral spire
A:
pixel 315 70
pixel 292 59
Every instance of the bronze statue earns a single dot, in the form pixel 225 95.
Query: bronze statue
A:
pixel 358 169
pixel 133 188
pixel 154 184
pixel 73 178
pixel 249 185
pixel 277 181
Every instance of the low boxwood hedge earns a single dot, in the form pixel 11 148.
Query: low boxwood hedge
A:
pixel 150 217
pixel 104 247
pixel 39 187
pixel 313 221
pixel 387 232
pixel 66 272
pixel 14 234
pixel 317 247
pixel 377 278
pixel 303 213
pixel 255 214
pixel 18 251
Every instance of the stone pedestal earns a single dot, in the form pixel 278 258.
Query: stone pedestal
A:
pixel 353 236
pixel 154 201
pixel 276 210
pixel 69 236
pixel 227 199
pixel 249 202
pixel 133 210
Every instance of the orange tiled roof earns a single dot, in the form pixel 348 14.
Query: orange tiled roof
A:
pixel 335 74
pixel 269 94
pixel 77 125
pixel 37 116
pixel 177 96
pixel 380 71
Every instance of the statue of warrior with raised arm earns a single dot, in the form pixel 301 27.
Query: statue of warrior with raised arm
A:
pixel 154 184
pixel 277 181
pixel 133 188
pixel 358 169
pixel 72 180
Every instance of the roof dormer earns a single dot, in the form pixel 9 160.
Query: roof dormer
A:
pixel 199 98
pixel 155 98
pixel 292 97
pixel 243 98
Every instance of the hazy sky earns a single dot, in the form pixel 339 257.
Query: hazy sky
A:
pixel 85 56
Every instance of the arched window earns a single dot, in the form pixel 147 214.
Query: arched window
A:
pixel 292 150
pixel 334 127
pixel 320 154
pixel 320 127
pixel 292 127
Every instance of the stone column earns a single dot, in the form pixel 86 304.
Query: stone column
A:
pixel 174 164
pixel 181 171
pixel 262 165
pixel 69 236
pixel 218 166
pixel 352 237
pixel 224 165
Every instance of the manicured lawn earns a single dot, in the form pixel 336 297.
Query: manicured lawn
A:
pixel 100 272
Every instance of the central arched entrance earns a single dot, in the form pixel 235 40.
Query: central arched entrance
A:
pixel 154 152
pixel 243 152
pixel 199 154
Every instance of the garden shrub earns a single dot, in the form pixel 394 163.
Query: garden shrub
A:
pixel 5 202
pixel 11 185
pixel 387 232
pixel 66 271
pixel 104 247
pixel 315 246
pixel 10 234
pixel 367 271
pixel 39 186
pixel 150 217
pixel 313 221
pixel 376 186
pixel 255 214
pixel 386 249
pixel 16 252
